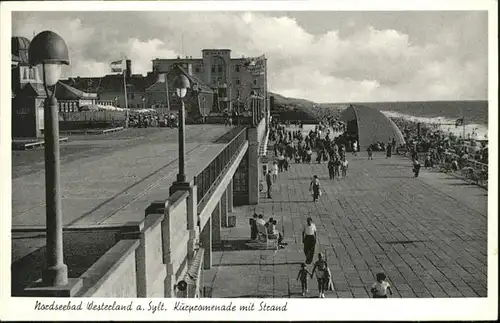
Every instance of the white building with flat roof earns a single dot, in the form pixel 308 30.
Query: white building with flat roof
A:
pixel 234 80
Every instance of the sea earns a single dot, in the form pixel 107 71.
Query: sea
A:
pixel 443 114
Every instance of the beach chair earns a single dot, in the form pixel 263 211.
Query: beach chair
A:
pixel 270 239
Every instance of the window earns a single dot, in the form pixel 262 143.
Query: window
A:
pixel 213 68
pixel 238 93
pixel 238 81
pixel 197 69
pixel 219 67
pixel 254 82
pixel 237 67
pixel 32 73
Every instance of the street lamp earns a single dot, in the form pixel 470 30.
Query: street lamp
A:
pixel 181 84
pixel 49 51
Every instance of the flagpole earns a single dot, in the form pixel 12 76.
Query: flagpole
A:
pixel 167 96
pixel 126 100
pixel 463 123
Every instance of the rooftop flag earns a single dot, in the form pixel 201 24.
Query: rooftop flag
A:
pixel 255 64
pixel 117 66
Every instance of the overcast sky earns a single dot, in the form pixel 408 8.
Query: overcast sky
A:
pixel 320 56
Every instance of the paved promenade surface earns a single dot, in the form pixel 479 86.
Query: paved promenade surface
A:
pixel 429 235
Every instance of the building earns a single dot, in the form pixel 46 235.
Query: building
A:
pixel 239 83
pixel 28 94
pixel 111 87
pixel 199 100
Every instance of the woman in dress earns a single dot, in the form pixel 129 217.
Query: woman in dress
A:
pixel 322 274
pixel 275 171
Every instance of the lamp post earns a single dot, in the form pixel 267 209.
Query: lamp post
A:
pixel 181 84
pixel 49 51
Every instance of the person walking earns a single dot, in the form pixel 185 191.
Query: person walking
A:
pixel 303 277
pixel 380 287
pixel 355 148
pixel 388 150
pixel 344 166
pixel 322 274
pixel 331 168
pixel 370 152
pixel 309 235
pixel 416 166
pixel 275 171
pixel 336 166
pixel 253 227
pixel 281 162
pixel 269 182
pixel 315 188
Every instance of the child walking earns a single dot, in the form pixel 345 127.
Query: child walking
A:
pixel 336 168
pixel 344 166
pixel 303 273
pixel 380 287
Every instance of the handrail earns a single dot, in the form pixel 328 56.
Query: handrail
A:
pixel 209 176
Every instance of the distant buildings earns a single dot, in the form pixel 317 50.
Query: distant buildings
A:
pixel 219 84
pixel 237 84
pixel 234 80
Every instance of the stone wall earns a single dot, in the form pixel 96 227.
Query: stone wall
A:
pixel 114 275
pixel 149 258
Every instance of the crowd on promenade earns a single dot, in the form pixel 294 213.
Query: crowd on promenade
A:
pixel 443 149
pixel 152 119
pixel 290 145
pixel 293 145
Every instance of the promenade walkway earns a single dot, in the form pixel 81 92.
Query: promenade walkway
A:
pixel 428 234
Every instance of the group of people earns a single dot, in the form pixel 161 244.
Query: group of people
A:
pixel 336 165
pixel 143 120
pixel 292 145
pixel 440 147
pixel 152 119
pixel 389 148
pixel 379 289
pixel 270 226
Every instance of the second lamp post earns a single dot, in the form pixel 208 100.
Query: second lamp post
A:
pixel 181 85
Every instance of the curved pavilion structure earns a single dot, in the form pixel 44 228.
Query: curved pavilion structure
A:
pixel 369 125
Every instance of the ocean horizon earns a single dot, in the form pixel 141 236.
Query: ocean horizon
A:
pixel 445 113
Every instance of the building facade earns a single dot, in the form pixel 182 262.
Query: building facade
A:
pixel 28 93
pixel 236 81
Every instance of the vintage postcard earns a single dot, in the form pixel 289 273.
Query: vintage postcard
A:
pixel 259 160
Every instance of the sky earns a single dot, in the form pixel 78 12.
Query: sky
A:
pixel 361 56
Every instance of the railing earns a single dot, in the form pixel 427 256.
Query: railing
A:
pixel 68 105
pixel 208 177
pixel 468 169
